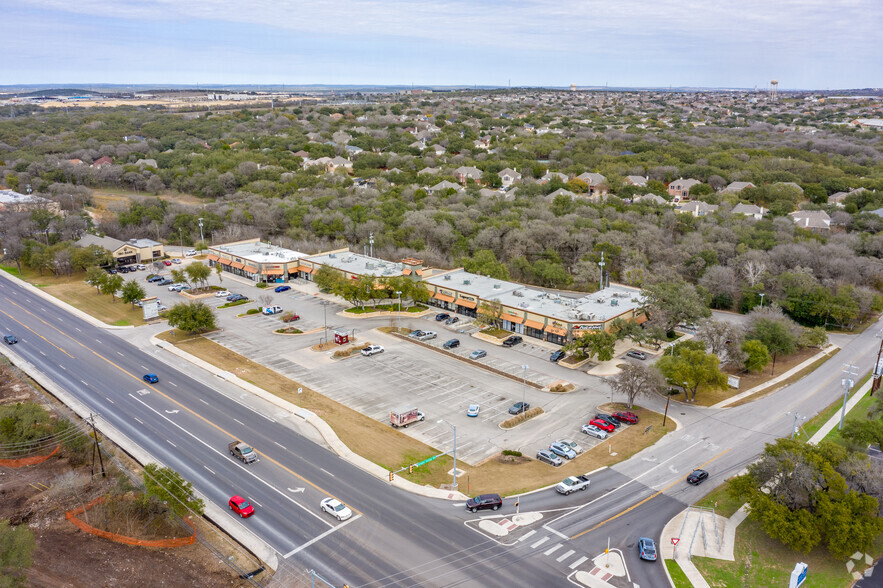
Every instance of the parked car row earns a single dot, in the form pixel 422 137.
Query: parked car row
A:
pixel 126 269
pixel 603 424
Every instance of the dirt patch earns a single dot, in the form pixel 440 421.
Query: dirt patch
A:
pixel 511 459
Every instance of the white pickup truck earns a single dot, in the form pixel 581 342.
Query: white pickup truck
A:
pixel 572 484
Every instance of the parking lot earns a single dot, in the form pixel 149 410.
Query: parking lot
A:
pixel 408 374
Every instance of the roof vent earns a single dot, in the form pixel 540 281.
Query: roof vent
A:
pixel 447 278
pixel 467 282
pixel 332 256
pixel 497 286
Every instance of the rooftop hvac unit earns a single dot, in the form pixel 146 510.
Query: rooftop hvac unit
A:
pixel 517 293
pixel 496 286
pixel 368 265
pixel 447 278
pixel 614 302
pixel 523 305
pixel 332 256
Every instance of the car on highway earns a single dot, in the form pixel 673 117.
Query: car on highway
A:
pixel 519 407
pixel 557 356
pixel 696 477
pixel 451 343
pixel 512 341
pixel 478 354
pixel 603 425
pixel 594 431
pixel 547 456
pixel 278 289
pixel 606 417
pixel 626 417
pixel 371 350
pixel 472 411
pixel 336 508
pixel 190 253
pixel 572 444
pixel 241 506
pixel 452 320
pixel 562 450
pixel 222 294
pixel 636 354
pixel 236 297
pixel 484 502
pixel 442 316
pixel 647 549
pixel 10 339
pixel 150 378
pixel 166 262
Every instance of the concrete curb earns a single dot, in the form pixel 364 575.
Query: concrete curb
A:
pixel 257 546
pixel 61 303
pixel 321 426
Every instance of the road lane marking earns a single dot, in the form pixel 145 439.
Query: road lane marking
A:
pixel 250 498
pixel 651 497
pixel 578 563
pixel 540 542
pixel 139 420
pixel 280 445
pixel 240 422
pixel 244 469
pixel 526 535
pixel 203 401
pixel 62 367
pixel 552 549
pixel 210 470
pixel 322 536
pixel 565 556
pixel 327 472
pixel 109 400
pixel 41 353
pixel 172 444
pixel 120 354
pixel 84 382
pixel 172 384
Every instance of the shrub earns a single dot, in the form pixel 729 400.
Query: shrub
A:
pixel 517 420
pixel 252 311
pixel 512 453
pixel 262 285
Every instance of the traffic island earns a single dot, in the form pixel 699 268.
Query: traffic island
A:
pixel 607 570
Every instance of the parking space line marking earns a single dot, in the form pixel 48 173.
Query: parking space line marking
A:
pixel 552 549
pixel 565 556
pixel 540 542
pixel 578 563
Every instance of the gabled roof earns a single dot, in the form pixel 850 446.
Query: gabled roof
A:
pixel 737 187
pixel 592 179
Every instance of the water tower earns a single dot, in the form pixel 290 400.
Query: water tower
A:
pixel 774 90
pixel 573 87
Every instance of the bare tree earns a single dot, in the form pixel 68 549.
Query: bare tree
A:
pixel 636 380
pixel 752 269
pixel 718 335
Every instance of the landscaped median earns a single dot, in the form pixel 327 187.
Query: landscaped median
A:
pixel 392 449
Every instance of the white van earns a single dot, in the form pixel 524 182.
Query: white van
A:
pixel 271 309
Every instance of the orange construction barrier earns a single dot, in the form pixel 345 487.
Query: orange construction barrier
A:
pixel 26 461
pixel 71 515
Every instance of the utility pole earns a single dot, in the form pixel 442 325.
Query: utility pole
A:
pixel 601 264
pixel 877 374
pixel 850 371
pixel 96 448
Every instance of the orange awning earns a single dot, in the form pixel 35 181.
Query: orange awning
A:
pixel 251 269
pixel 443 297
pixel 237 265
pixel 211 257
pixel 641 319
pixel 406 272
pixel 533 325
pixel 419 272
pixel 556 331
pixel 512 318
pixel 272 272
pixel 304 269
pixel 466 303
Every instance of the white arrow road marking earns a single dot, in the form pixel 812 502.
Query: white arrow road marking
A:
pixel 176 411
pixel 245 469
pixel 295 490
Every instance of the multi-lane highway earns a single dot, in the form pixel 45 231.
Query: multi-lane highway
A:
pixel 394 538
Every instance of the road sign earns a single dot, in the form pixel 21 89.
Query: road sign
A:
pixel 647 430
pixel 674 540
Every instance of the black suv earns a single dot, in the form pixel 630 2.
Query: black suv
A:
pixel 512 341
pixel 608 419
pixel 484 502
pixel 451 343
pixel 557 356
pixel 442 316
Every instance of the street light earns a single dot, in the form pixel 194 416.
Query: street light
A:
pixel 325 317
pixel 794 427
pixel 181 234
pixel 201 236
pixel 762 294
pixel 523 383
pixel 399 293
pixel 454 486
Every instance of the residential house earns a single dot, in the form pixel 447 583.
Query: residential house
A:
pixel 464 173
pixel 680 188
pixel 651 199
pixel 838 197
pixel 751 210
pixel 338 163
pixel 15 202
pixel 432 171
pixel 439 150
pixel 142 163
pixel 509 177
pixel 636 180
pixel 444 185
pixel 736 187
pixel 302 154
pixel 418 145
pixel 790 185
pixel 75 161
pixel 696 208
pixel 560 192
pixel 596 182
pixel 318 162
pixel 548 176
pixel 101 162
pixel 817 221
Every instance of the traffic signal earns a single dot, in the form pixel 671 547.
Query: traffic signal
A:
pixel 410 469
pixel 391 476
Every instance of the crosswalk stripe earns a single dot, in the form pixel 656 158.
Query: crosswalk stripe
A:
pixel 578 563
pixel 526 535
pixel 540 542
pixel 565 556
pixel 552 549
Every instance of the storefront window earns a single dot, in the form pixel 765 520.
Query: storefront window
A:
pixel 470 312
pixel 556 339
pixel 535 333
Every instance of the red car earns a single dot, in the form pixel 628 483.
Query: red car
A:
pixel 289 318
pixel 167 262
pixel 626 417
pixel 603 425
pixel 241 506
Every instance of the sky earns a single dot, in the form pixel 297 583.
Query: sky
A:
pixel 804 44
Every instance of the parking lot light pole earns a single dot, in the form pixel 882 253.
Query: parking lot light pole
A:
pixel 325 317
pixel 523 384
pixel 399 293
pixel 201 236
pixel 454 486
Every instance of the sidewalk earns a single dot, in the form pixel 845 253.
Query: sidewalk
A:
pixel 687 524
